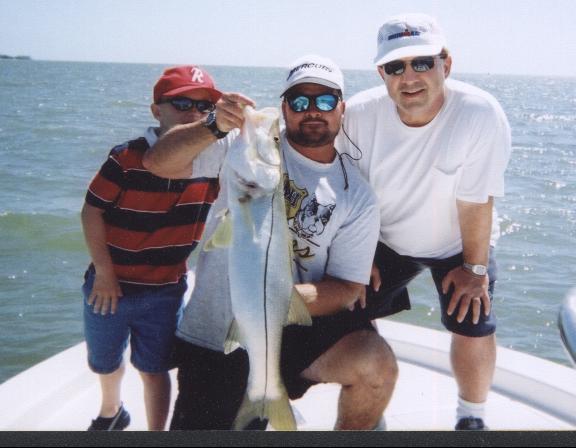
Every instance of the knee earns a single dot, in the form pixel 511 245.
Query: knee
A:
pixel 155 378
pixel 378 367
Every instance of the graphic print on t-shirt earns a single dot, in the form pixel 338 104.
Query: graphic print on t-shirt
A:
pixel 307 217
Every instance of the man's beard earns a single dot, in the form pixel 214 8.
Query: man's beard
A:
pixel 311 138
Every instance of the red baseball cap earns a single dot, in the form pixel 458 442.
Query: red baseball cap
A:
pixel 177 80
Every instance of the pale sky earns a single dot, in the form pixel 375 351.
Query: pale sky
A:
pixel 526 37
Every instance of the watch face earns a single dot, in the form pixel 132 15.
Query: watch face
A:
pixel 211 118
pixel 477 269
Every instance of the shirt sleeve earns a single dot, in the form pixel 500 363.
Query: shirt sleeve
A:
pixel 483 169
pixel 351 253
pixel 106 186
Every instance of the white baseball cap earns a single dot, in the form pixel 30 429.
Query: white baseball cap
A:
pixel 409 35
pixel 314 69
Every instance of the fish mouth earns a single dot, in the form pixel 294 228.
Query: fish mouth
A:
pixel 249 185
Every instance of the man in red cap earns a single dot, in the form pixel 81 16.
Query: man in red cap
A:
pixel 140 229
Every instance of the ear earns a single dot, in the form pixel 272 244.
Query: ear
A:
pixel 381 72
pixel 155 111
pixel 447 66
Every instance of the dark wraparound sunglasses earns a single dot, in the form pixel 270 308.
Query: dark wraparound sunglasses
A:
pixel 419 65
pixel 182 104
pixel 326 102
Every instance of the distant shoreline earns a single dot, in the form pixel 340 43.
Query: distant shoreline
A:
pixel 25 58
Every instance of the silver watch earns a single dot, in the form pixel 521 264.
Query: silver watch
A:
pixel 476 269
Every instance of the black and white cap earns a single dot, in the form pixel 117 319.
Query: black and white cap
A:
pixel 314 69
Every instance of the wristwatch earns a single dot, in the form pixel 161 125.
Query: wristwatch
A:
pixel 476 269
pixel 210 123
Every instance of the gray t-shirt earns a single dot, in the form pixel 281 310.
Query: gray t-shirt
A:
pixel 334 221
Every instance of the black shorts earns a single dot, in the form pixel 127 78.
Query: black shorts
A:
pixel 301 345
pixel 398 270
pixel 211 385
pixel 211 388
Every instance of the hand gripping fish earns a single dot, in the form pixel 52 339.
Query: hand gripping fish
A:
pixel 260 266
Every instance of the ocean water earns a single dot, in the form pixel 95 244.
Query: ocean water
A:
pixel 58 120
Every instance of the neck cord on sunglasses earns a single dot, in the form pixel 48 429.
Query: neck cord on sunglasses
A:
pixel 347 155
pixel 353 144
pixel 343 168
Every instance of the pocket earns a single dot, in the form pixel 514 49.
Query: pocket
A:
pixel 445 180
pixel 88 285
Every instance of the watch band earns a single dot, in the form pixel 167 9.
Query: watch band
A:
pixel 210 123
pixel 476 269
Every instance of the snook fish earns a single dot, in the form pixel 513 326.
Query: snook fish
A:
pixel 259 255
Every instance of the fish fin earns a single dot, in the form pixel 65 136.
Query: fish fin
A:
pixel 222 236
pixel 298 313
pixel 278 413
pixel 232 339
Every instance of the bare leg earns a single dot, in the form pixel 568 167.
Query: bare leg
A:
pixel 365 366
pixel 473 363
pixel 110 385
pixel 156 399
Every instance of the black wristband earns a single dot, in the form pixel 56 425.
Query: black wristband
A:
pixel 210 123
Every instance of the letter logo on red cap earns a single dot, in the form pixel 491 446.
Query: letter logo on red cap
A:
pixel 197 75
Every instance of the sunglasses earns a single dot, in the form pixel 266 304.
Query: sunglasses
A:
pixel 324 103
pixel 419 65
pixel 182 104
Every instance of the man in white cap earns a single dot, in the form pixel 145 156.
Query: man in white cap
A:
pixel 435 151
pixel 334 221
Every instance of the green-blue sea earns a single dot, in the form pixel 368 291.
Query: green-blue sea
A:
pixel 58 120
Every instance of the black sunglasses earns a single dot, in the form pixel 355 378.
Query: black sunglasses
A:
pixel 326 102
pixel 419 65
pixel 182 104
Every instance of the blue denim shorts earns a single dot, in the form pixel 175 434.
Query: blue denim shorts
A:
pixel 146 317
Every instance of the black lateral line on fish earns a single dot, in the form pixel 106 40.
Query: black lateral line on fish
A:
pixel 266 295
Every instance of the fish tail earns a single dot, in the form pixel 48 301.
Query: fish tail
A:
pixel 278 413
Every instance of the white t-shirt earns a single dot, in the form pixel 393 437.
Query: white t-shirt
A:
pixel 334 230
pixel 418 173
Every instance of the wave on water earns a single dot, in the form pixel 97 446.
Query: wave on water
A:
pixel 25 231
pixel 540 118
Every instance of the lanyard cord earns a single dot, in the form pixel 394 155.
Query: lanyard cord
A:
pixel 344 173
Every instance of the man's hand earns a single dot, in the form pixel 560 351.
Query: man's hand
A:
pixel 105 293
pixel 375 283
pixel 469 290
pixel 229 111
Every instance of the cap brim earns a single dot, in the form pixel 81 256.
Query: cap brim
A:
pixel 215 95
pixel 312 80
pixel 407 52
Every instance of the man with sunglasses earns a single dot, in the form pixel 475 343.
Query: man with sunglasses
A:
pixel 140 229
pixel 334 224
pixel 435 151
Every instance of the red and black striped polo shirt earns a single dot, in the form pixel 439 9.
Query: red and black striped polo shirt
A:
pixel 152 223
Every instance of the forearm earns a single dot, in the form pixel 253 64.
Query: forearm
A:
pixel 175 150
pixel 475 226
pixel 329 296
pixel 172 155
pixel 95 236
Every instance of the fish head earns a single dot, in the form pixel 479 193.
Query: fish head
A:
pixel 254 160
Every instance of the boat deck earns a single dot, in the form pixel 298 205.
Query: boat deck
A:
pixel 62 394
